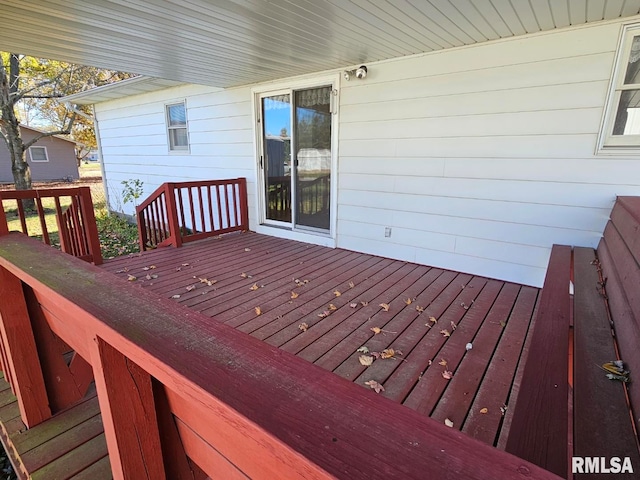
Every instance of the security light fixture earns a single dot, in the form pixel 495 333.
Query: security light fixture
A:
pixel 360 72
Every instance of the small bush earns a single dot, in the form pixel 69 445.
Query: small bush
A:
pixel 117 235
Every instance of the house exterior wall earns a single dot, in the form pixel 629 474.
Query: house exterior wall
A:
pixel 478 158
pixel 61 154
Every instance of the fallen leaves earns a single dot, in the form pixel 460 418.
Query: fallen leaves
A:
pixel 324 314
pixel 375 386
pixel 445 332
pixel 131 278
pixel 364 303
pixel 207 282
pixel 448 423
pixel 443 362
pixel 389 353
pixel 294 295
pixel 419 309
pixel 254 287
pixel 150 267
pixel 258 310
pixel 245 275
pixel 385 306
pixel 303 326
pixel 336 293
pixel 453 326
pixel 190 287
pixel 484 411
pixel 363 349
pixel 332 307
pixel 365 360
pixel 377 330
pixel 247 249
pixel 433 320
pixel 353 305
pixel 175 296
pixel 408 301
pixel 351 285
pixel 447 374
pixel 469 346
pixel 149 276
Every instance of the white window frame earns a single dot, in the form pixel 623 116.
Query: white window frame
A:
pixel 609 144
pixel 177 148
pixel 46 154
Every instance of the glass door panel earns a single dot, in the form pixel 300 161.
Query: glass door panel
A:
pixel 276 161
pixel 312 140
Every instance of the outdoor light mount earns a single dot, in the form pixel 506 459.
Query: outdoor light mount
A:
pixel 360 73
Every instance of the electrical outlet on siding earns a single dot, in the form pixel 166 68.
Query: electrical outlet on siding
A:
pixel 387 232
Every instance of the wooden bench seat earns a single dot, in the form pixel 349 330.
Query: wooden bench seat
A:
pixel 590 301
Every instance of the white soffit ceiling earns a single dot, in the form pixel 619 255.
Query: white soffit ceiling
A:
pixel 225 43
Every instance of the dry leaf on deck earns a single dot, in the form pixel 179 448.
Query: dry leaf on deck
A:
pixel 408 301
pixel 433 319
pixel 324 314
pixel 185 264
pixel 484 410
pixel 503 323
pixel 190 287
pixel 447 374
pixel 336 293
pixel 303 326
pixel 445 332
pixel 123 270
pixel 294 295
pixel 258 310
pixel 247 249
pixel 385 306
pixel 175 296
pixel 131 278
pixel 443 362
pixel 453 325
pixel 375 386
pixel 254 287
pixel 351 285
pixel 244 275
pixel 376 330
pixel 365 360
pixel 388 353
pixel 363 349
pixel 364 304
pixel 332 307
pixel 448 423
pixel 151 277
pixel 150 267
pixel 419 309
pixel 353 305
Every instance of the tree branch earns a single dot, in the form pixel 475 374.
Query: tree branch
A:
pixel 65 131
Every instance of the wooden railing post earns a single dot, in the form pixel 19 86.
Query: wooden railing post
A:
pixel 244 206
pixel 4 226
pixel 90 226
pixel 125 394
pixel 172 214
pixel 20 350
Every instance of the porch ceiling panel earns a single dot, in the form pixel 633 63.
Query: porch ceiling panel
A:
pixel 234 42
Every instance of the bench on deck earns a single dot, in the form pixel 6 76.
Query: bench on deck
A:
pixel 598 322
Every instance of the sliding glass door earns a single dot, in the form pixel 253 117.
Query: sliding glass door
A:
pixel 296 158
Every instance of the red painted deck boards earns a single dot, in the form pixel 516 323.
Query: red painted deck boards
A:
pixel 493 315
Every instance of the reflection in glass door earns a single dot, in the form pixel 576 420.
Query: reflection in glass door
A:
pixel 276 156
pixel 296 157
pixel 312 140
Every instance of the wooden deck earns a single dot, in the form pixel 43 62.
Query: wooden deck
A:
pixel 325 304
pixel 70 445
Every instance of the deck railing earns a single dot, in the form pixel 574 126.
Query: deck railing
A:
pixel 74 214
pixel 183 396
pixel 176 213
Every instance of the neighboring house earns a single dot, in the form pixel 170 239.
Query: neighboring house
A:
pixel 50 158
pixel 475 159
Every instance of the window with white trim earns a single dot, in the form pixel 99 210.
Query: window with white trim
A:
pixel 177 126
pixel 38 154
pixel 621 128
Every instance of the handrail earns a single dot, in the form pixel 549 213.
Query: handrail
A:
pixel 77 227
pixel 179 212
pixel 172 381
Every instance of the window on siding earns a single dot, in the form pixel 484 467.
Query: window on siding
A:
pixel 177 126
pixel 622 125
pixel 38 154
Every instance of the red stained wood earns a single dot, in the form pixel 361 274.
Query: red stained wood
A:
pixel 244 386
pixel 96 471
pixel 539 427
pixel 81 372
pixel 498 378
pixel 128 409
pixel 20 349
pixel 601 427
pixel 74 461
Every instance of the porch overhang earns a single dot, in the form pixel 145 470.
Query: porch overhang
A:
pixel 225 43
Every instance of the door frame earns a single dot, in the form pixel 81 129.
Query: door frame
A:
pixel 327 238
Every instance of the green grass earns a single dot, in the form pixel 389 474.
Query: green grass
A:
pixel 91 169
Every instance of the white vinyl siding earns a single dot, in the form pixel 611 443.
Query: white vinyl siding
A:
pixel 478 158
pixel 38 154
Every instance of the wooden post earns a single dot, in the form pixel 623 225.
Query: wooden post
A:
pixel 172 213
pixel 90 226
pixel 125 394
pixel 20 351
pixel 4 226
pixel 244 208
